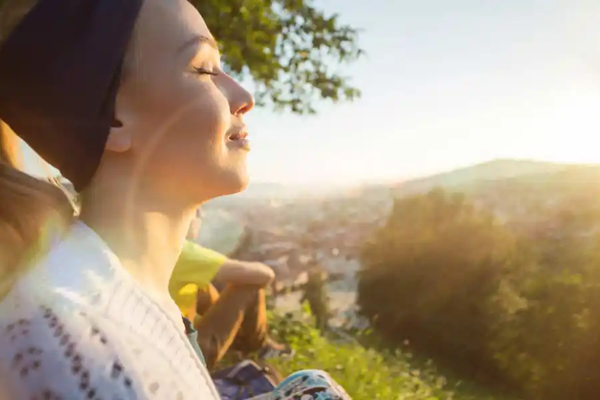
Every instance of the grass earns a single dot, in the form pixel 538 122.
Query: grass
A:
pixel 366 374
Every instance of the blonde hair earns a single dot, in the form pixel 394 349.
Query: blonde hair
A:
pixel 31 209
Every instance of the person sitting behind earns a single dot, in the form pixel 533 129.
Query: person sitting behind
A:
pixel 235 318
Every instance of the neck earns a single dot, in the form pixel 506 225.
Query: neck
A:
pixel 144 231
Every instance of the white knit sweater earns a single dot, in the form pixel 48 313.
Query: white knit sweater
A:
pixel 79 327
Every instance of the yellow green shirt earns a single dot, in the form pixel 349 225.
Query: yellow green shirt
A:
pixel 195 269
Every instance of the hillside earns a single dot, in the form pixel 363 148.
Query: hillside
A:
pixel 367 372
pixel 568 179
pixel 491 171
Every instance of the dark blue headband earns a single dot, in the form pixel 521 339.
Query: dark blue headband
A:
pixel 59 74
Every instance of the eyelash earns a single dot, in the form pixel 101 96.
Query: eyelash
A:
pixel 202 71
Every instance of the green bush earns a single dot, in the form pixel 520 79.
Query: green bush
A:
pixel 515 311
pixel 552 344
pixel 430 276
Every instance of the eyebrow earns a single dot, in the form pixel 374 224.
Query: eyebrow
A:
pixel 199 39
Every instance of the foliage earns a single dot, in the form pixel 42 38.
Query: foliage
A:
pixel 315 294
pixel 364 373
pixel 518 309
pixel 552 344
pixel 288 47
pixel 431 272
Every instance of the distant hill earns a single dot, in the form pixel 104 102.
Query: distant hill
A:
pixel 569 178
pixel 523 193
pixel 486 173
pixel 578 185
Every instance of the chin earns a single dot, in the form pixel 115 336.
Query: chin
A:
pixel 232 182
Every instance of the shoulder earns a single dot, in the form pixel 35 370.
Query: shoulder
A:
pixel 57 337
pixel 76 326
pixel 57 349
pixel 193 248
pixel 196 265
pixel 194 253
pixel 53 350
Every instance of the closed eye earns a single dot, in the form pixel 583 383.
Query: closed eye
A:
pixel 203 71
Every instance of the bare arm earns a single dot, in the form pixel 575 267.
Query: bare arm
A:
pixel 245 273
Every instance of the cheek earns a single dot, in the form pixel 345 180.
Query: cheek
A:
pixel 200 130
pixel 182 119
pixel 208 115
pixel 180 103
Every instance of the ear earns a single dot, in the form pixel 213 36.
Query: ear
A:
pixel 119 138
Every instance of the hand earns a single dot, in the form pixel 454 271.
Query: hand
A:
pixel 260 274
pixel 245 273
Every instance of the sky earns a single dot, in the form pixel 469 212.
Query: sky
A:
pixel 446 84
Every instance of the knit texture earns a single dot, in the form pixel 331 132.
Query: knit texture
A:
pixel 79 327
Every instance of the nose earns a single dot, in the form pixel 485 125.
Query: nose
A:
pixel 240 100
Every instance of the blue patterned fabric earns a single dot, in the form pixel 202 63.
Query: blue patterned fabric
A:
pixel 246 381
pixel 309 385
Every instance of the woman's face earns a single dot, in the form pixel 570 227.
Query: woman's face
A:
pixel 181 115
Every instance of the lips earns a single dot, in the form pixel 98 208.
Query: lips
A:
pixel 239 136
pixel 239 140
